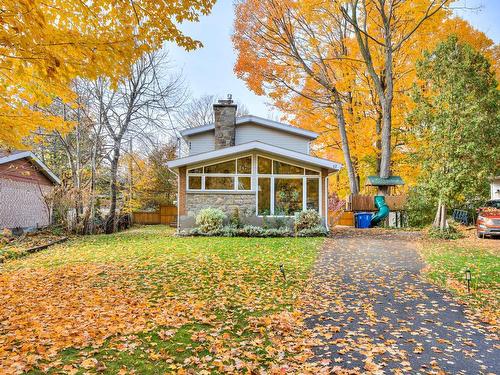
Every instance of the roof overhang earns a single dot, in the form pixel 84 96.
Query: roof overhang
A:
pixel 255 146
pixel 34 160
pixel 255 120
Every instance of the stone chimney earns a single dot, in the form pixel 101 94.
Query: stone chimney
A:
pixel 225 121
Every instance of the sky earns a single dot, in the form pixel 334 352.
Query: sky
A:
pixel 209 70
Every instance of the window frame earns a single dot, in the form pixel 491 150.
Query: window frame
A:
pixel 272 176
pixel 235 175
pixel 254 180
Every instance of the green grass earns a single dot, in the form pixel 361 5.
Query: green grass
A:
pixel 448 261
pixel 218 299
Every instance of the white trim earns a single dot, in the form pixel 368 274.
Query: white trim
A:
pixel 258 121
pixel 258 146
pixel 28 154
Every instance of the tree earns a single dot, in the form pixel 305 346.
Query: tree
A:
pixel 457 115
pixel 152 183
pixel 44 45
pixel 290 48
pixel 139 108
pixel 200 111
pixel 381 29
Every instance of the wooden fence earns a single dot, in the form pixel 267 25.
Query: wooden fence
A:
pixel 166 215
pixel 342 218
pixel 366 203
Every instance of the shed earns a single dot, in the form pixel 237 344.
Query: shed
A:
pixel 25 184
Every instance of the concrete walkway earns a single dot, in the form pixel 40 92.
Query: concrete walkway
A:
pixel 372 312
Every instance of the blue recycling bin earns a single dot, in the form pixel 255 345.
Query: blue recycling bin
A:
pixel 362 219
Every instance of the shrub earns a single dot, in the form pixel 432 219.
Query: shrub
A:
pixel 210 220
pixel 279 222
pixel 265 223
pixel 234 220
pixel 450 233
pixel 306 220
pixel 230 231
pixel 251 231
pixel 316 231
pixel 277 232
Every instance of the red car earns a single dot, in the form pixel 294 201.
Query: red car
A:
pixel 488 219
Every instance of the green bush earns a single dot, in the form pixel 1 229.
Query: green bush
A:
pixel 277 232
pixel 251 231
pixel 234 219
pixel 421 207
pixel 230 231
pixel 210 220
pixel 316 231
pixel 450 233
pixel 307 219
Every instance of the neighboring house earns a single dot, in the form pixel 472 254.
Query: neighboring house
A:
pixel 24 183
pixel 261 167
pixel 495 187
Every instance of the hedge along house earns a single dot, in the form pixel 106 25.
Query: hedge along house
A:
pixel 260 167
pixel 25 183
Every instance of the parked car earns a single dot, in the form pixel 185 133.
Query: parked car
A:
pixel 488 219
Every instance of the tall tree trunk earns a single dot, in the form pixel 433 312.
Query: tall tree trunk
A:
pixel 387 83
pixel 351 173
pixel 440 220
pixel 111 219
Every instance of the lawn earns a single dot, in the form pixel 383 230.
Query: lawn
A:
pixel 146 301
pixel 448 261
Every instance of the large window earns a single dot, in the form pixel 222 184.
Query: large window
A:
pixel 235 174
pixel 284 188
pixel 288 194
pixel 264 196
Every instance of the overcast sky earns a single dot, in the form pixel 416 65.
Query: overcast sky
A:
pixel 209 70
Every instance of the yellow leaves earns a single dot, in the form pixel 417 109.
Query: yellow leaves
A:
pixel 46 45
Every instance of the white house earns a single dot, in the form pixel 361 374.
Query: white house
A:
pixel 259 166
pixel 495 187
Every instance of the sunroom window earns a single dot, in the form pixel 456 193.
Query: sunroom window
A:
pixel 285 188
pixel 235 174
pixel 287 196
pixel 219 183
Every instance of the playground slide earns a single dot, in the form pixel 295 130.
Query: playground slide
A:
pixel 383 210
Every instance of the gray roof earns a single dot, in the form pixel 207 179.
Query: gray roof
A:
pixel 255 120
pixel 259 146
pixel 16 155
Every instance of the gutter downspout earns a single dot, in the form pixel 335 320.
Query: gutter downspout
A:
pixel 178 193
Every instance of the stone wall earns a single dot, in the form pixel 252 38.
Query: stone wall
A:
pixel 245 203
pixel 227 202
pixel 22 204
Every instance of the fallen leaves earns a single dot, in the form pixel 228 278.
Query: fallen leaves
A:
pixel 209 304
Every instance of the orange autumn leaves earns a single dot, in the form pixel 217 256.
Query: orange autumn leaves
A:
pixel 44 311
pixel 108 294
pixel 44 45
pixel 288 49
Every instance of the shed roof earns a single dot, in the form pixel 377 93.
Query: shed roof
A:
pixel 17 155
pixel 380 181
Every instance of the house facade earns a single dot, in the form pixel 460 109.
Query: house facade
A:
pixel 261 167
pixel 495 187
pixel 25 183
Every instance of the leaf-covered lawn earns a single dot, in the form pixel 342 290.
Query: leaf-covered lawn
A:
pixel 148 302
pixel 448 261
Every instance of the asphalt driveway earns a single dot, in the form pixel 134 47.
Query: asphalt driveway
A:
pixel 371 311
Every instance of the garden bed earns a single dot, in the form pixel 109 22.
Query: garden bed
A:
pixel 12 247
